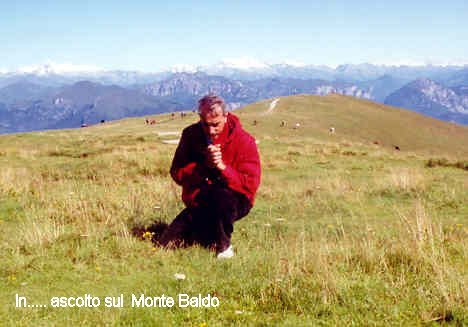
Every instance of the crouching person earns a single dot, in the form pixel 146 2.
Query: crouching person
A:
pixel 218 166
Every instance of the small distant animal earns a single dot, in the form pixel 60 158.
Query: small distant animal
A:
pixel 152 121
pixel 396 147
pixel 255 123
pixel 283 123
pixel 331 130
pixel 84 125
pixel 376 142
pixel 102 121
pixel 297 125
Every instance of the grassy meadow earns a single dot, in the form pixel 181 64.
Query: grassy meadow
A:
pixel 346 230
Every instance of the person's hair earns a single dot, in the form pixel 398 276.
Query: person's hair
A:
pixel 209 100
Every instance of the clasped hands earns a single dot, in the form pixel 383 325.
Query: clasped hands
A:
pixel 215 156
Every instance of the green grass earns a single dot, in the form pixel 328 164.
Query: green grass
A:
pixel 343 232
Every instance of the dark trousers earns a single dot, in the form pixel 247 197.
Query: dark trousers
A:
pixel 211 222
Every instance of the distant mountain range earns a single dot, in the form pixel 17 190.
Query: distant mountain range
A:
pixel 72 105
pixel 51 75
pixel 46 98
pixel 432 99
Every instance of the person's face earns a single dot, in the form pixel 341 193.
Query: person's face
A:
pixel 213 121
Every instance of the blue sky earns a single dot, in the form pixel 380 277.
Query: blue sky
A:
pixel 153 35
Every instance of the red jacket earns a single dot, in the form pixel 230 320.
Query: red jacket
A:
pixel 240 154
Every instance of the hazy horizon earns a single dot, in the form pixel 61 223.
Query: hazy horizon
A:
pixel 236 63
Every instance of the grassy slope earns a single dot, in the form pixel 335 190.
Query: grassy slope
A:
pixel 343 230
pixel 366 122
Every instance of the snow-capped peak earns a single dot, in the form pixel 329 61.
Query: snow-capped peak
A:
pixel 183 68
pixel 293 63
pixel 445 63
pixel 242 63
pixel 56 68
pixel 420 63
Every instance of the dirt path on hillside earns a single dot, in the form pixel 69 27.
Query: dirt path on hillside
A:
pixel 272 106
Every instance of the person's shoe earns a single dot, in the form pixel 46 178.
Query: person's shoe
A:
pixel 226 254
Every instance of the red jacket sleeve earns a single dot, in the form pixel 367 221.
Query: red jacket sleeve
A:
pixel 244 174
pixel 184 170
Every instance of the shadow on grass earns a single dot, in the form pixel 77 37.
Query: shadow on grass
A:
pixel 442 162
pixel 154 231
